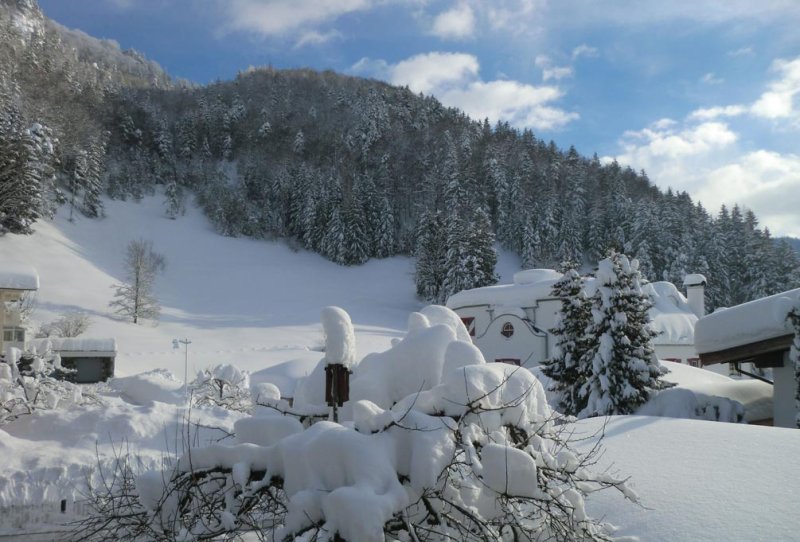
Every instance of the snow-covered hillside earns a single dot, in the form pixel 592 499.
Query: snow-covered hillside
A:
pixel 251 303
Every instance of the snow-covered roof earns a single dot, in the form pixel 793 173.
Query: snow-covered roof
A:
pixel 15 276
pixel 671 314
pixel 694 279
pixel 747 323
pixel 75 344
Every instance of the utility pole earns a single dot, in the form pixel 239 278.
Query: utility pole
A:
pixel 185 343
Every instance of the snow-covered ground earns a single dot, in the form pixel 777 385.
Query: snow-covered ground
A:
pixel 257 304
pixel 698 480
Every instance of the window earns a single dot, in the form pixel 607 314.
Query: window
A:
pixel 14 334
pixel 509 361
pixel 469 322
pixel 508 330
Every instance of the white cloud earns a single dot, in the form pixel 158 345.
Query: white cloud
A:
pixel 778 101
pixel 711 113
pixel 663 140
pixel 454 79
pixel 431 72
pixel 766 182
pixel 742 51
pixel 312 37
pixel 517 103
pixel 278 17
pixel 710 78
pixel 584 50
pixel 552 72
pixel 456 23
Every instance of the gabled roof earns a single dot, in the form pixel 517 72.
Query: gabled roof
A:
pixel 15 276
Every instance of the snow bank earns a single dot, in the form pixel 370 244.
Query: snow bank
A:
pixel 413 364
pixel 17 276
pixel 439 314
pixel 144 389
pixel 480 391
pixel 698 480
pixel 754 321
pixel 683 403
pixel 755 396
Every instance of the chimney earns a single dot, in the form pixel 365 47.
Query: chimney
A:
pixel 696 293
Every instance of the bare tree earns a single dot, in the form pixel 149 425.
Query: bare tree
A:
pixel 135 298
pixel 70 324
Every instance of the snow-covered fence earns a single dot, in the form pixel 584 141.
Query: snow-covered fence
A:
pixel 44 518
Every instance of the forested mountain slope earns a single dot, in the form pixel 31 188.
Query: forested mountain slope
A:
pixel 347 167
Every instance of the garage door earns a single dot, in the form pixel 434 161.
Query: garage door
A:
pixel 89 369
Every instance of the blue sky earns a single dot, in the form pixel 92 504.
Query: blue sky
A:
pixel 702 94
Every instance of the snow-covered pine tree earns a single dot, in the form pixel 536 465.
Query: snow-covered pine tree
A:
pixel 431 254
pixel 20 189
pixel 564 368
pixel 385 245
pixel 619 363
pixel 356 240
pixel 93 178
pixel 173 199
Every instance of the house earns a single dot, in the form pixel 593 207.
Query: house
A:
pixel 92 359
pixel 756 332
pixel 15 281
pixel 511 322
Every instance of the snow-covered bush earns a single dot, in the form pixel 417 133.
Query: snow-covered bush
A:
pixel 474 456
pixel 70 324
pixel 224 386
pixel 31 382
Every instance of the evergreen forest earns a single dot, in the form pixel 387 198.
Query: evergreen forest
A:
pixel 350 168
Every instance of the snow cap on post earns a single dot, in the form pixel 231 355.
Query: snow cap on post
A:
pixel 340 340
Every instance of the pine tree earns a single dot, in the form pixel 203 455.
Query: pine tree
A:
pixel 564 368
pixel 431 254
pixel 622 370
pixel 356 241
pixel 20 181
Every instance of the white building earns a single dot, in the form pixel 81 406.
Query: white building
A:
pixel 511 322
pixel 756 333
pixel 15 281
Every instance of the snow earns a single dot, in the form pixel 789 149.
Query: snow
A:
pixel 252 303
pixel 750 322
pixel 74 344
pixel 755 396
pixel 255 304
pixel 698 480
pixel 17 276
pixel 671 315
pixel 694 279
pixel 340 340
